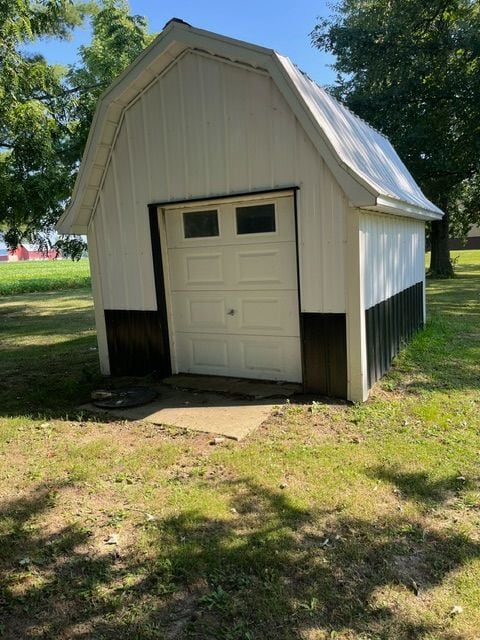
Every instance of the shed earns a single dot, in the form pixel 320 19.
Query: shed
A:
pixel 241 222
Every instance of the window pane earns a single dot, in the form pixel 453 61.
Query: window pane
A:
pixel 259 218
pixel 200 224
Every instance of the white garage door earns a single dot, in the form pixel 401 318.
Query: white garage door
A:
pixel 233 289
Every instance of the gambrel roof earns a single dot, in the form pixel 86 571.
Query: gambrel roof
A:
pixel 362 160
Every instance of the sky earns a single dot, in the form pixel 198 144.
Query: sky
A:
pixel 282 25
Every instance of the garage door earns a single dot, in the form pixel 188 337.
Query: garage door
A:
pixel 232 278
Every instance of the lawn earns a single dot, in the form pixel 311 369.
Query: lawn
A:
pixel 43 275
pixel 331 521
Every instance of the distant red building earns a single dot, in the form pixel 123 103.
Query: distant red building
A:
pixel 23 252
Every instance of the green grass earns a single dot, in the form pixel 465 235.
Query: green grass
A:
pixel 43 275
pixel 331 521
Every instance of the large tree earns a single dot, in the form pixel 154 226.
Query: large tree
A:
pixel 34 179
pixel 412 69
pixel 117 39
pixel 46 111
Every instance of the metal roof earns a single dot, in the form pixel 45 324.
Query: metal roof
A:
pixel 362 160
pixel 360 146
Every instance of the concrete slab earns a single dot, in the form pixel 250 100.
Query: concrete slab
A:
pixel 207 412
pixel 234 386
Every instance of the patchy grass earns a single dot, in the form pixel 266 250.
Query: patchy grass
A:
pixel 331 521
pixel 43 275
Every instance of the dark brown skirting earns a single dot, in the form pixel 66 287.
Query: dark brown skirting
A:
pixel 324 346
pixel 388 325
pixel 135 343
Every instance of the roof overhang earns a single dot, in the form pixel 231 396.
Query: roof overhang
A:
pixel 399 208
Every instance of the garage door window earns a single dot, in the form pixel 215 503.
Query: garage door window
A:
pixel 200 224
pixel 256 219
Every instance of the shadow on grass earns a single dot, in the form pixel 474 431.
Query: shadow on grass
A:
pixel 49 360
pixel 268 570
pixel 418 486
pixel 48 380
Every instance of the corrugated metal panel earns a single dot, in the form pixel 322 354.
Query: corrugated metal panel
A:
pixel 393 251
pixel 207 128
pixel 389 324
pixel 367 152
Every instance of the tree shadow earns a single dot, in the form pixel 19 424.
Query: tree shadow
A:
pixel 268 569
pixel 49 359
pixel 48 380
pixel 418 486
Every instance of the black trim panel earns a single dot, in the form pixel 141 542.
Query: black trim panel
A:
pixel 224 196
pixel 158 275
pixel 389 324
pixel 324 347
pixel 135 343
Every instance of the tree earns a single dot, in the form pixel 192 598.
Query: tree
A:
pixel 411 68
pixel 46 111
pixel 118 38
pixel 34 180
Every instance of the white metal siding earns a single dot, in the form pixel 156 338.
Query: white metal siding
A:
pixel 208 127
pixel 392 254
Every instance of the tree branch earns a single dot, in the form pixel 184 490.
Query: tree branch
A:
pixel 66 92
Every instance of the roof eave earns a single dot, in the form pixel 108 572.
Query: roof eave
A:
pixel 386 204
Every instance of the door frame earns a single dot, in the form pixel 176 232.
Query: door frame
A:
pixel 161 267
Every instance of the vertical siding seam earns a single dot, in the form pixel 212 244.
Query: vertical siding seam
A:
pixel 393 255
pixel 271 136
pixel 321 207
pixel 140 282
pixel 148 152
pixel 184 130
pixel 107 302
pixel 206 155
pixel 225 129
pixel 165 144
pixel 250 122
pixel 120 227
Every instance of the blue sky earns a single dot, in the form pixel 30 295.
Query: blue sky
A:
pixel 282 25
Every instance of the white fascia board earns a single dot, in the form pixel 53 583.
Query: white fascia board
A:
pixel 111 96
pixel 66 223
pixel 400 208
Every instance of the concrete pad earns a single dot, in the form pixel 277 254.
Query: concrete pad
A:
pixel 206 412
pixel 233 386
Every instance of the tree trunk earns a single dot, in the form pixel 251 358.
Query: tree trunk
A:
pixel 440 263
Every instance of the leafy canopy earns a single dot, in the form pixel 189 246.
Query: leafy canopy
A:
pixel 46 110
pixel 34 180
pixel 412 69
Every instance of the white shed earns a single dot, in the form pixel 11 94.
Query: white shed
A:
pixel 241 222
